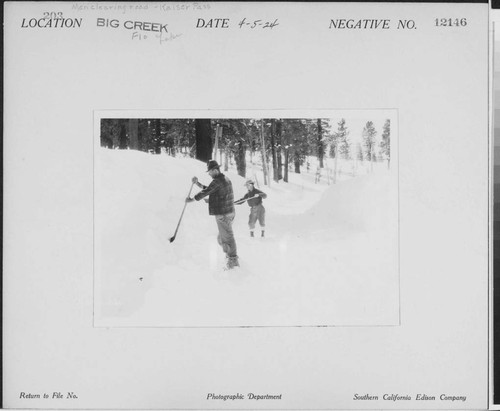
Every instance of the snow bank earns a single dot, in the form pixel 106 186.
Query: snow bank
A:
pixel 329 256
pixel 365 202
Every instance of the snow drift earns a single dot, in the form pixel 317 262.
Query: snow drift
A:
pixel 330 256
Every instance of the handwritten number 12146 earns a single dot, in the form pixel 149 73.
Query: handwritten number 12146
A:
pixel 451 22
pixel 258 23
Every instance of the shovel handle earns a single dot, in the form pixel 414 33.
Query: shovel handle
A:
pixel 180 219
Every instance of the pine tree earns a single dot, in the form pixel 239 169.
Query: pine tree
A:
pixel 369 134
pixel 237 136
pixel 318 135
pixel 360 156
pixel 342 138
pixel 297 132
pixel 110 132
pixel 177 135
pixel 385 144
pixel 340 145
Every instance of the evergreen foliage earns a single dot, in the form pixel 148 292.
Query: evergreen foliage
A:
pixel 369 134
pixel 385 144
pixel 284 143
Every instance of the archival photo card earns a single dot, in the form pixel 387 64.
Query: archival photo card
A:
pixel 314 221
pixel 246 205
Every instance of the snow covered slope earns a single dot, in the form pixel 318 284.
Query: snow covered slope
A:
pixel 330 256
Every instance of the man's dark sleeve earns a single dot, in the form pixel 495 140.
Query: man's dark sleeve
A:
pixel 212 188
pixel 263 195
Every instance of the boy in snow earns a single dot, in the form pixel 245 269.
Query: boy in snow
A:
pixel 257 211
pixel 220 205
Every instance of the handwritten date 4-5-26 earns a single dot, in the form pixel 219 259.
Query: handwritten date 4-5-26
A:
pixel 258 23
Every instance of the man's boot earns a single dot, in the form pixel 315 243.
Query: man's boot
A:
pixel 232 262
pixel 251 234
pixel 262 234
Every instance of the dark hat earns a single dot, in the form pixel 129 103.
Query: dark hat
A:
pixel 249 181
pixel 212 164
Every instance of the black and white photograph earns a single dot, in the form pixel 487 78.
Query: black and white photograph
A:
pixel 288 221
pixel 247 206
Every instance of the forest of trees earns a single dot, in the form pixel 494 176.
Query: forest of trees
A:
pixel 279 145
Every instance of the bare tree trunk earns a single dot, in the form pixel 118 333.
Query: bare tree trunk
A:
pixel 273 150
pixel 133 133
pixel 285 176
pixel 178 148
pixel 371 158
pixel 218 135
pixel 263 149
pixel 321 147
pixel 335 164
pixel 239 157
pixel 296 162
pixel 203 132
pixel 279 164
pixel 122 137
pixel 158 136
pixel 226 159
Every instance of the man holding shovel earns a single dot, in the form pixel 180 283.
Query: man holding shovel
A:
pixel 220 205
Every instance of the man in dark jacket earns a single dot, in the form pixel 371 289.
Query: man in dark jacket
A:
pixel 257 211
pixel 220 205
